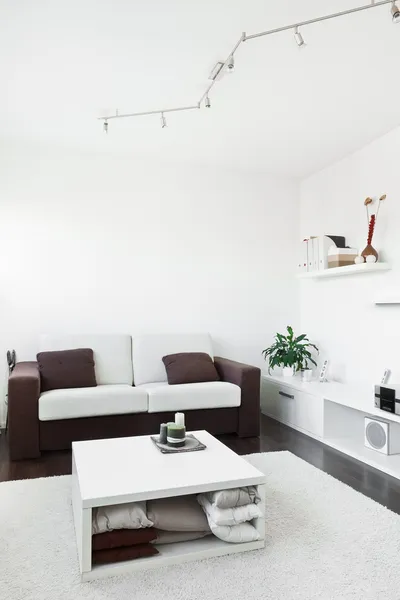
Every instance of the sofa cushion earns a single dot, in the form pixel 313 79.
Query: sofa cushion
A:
pixel 91 402
pixel 112 353
pixel 66 369
pixel 189 367
pixel 148 351
pixel 191 396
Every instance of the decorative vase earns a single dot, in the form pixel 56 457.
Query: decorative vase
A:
pixel 369 251
pixel 288 371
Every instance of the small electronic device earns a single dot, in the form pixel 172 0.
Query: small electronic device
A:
pixel 378 435
pixel 387 398
pixel 324 369
pixel 385 376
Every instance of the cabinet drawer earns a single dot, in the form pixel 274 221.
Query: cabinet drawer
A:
pixel 293 407
pixel 278 402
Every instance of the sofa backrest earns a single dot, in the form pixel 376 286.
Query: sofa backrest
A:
pixel 112 353
pixel 148 351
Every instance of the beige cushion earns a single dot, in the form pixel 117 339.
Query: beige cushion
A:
pixel 191 396
pixel 172 537
pixel 182 513
pixel 91 402
pixel 120 516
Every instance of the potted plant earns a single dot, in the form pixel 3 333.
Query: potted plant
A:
pixel 290 352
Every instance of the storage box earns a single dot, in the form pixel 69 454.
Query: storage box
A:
pixel 341 257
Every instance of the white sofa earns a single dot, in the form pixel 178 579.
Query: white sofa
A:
pixel 132 393
pixel 120 361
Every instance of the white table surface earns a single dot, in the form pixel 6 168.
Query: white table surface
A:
pixel 130 469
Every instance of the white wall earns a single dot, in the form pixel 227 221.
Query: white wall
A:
pixel 359 338
pixel 109 244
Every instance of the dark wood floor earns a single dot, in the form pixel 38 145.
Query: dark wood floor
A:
pixel 274 436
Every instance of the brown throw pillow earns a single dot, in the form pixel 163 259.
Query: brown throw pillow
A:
pixel 123 537
pixel 190 367
pixel 66 369
pixel 117 554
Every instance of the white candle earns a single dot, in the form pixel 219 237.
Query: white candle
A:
pixel 180 419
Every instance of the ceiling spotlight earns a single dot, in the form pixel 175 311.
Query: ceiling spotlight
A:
pixel 207 102
pixel 299 38
pixel 231 63
pixel 395 13
pixel 105 126
pixel 163 121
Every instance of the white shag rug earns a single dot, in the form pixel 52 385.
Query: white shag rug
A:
pixel 324 541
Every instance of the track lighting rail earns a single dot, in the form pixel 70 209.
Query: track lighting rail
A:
pixel 229 62
pixel 343 13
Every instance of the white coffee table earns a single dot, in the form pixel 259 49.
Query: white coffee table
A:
pixel 130 469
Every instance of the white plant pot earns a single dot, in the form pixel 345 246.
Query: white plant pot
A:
pixel 288 371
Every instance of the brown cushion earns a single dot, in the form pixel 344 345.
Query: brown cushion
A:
pixel 66 369
pixel 128 553
pixel 190 367
pixel 123 537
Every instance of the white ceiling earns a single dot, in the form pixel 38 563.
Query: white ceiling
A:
pixel 284 110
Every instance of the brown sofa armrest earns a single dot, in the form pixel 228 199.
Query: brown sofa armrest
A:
pixel 248 379
pixel 23 420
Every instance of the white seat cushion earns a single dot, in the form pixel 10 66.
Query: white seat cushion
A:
pixel 148 351
pixel 112 354
pixel 74 403
pixel 189 396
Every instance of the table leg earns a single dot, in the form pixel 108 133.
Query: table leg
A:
pixel 83 525
pixel 260 523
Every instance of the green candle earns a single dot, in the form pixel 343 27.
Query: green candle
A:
pixel 176 435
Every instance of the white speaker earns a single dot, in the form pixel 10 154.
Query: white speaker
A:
pixel 379 436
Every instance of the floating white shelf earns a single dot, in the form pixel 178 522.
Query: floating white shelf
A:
pixel 349 270
pixel 388 300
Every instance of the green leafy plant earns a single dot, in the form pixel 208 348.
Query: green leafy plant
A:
pixel 290 351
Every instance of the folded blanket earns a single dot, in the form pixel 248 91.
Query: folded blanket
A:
pixel 235 534
pixel 228 516
pixel 234 497
pixel 120 516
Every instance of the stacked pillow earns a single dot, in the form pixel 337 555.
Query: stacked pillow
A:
pixel 178 519
pixel 122 532
pixel 229 513
pixel 128 531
